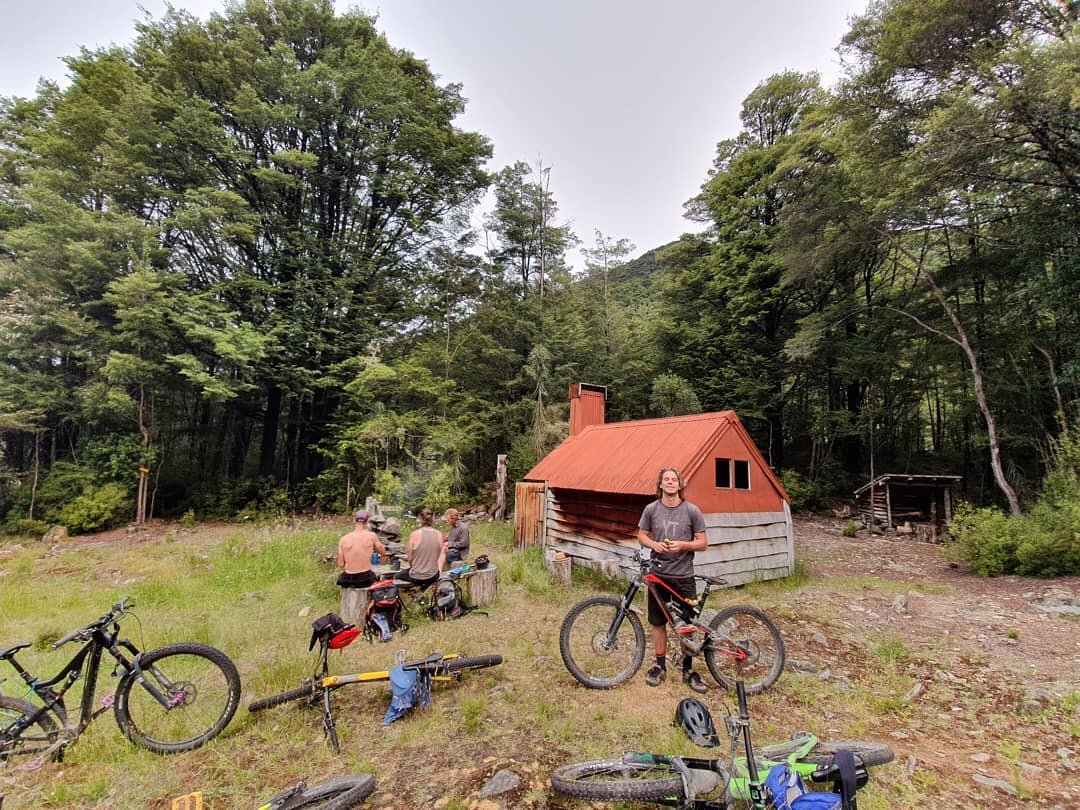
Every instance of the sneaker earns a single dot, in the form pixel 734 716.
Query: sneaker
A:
pixel 655 676
pixel 694 681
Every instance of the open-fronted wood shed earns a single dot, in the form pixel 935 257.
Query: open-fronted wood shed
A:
pixel 586 496
pixel 896 498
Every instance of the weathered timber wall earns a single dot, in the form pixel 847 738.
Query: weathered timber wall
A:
pixel 600 533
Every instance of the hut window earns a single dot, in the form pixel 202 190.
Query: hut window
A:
pixel 723 473
pixel 742 474
pixel 724 477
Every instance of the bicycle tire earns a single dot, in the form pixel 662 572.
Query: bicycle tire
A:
pixel 871 753
pixel 767 649
pixel 12 709
pixel 587 670
pixel 343 793
pixel 614 779
pixel 307 690
pixel 217 682
pixel 464 663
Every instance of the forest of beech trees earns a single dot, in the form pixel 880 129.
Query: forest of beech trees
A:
pixel 240 272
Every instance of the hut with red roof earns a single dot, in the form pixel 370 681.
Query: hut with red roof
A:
pixel 585 497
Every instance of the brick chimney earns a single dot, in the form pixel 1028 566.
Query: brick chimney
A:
pixel 586 406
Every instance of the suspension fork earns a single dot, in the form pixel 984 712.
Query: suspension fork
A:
pixel 757 796
pixel 620 614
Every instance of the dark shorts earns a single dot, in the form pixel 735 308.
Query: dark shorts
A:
pixel 685 587
pixel 456 554
pixel 365 579
pixel 406 576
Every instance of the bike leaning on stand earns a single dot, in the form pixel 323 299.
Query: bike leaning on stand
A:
pixel 602 641
pixel 171 699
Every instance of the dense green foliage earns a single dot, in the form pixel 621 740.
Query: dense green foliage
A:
pixel 1043 542
pixel 238 253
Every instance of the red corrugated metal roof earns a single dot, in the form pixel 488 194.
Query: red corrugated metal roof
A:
pixel 625 457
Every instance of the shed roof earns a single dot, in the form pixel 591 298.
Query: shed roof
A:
pixel 914 480
pixel 624 457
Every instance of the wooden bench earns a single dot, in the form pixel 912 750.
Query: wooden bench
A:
pixel 477 587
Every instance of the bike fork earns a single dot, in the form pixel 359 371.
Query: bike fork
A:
pixel 620 614
pixel 757 795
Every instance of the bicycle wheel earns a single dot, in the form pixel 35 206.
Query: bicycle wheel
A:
pixel 452 665
pixel 870 753
pixel 201 685
pixel 615 779
pixel 584 648
pixel 305 691
pixel 748 627
pixel 38 736
pixel 343 793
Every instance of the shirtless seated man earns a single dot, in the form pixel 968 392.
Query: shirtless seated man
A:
pixel 354 554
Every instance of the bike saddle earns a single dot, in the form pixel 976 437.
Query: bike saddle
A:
pixel 434 658
pixel 10 651
pixel 717 581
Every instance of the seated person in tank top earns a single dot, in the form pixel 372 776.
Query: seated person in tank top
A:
pixel 425 553
pixel 354 554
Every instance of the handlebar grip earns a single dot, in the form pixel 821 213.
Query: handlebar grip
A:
pixel 74 634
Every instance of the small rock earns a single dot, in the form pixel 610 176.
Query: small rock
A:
pixel 441 803
pixel 914 693
pixel 998 784
pixel 304 611
pixel 1039 694
pixel 502 782
pixel 980 757
pixel 55 534
pixel 820 640
pixel 825 674
pixel 1064 753
pixel 1028 767
pixel 900 605
pixel 802 665
pixel 909 766
pixel 900 735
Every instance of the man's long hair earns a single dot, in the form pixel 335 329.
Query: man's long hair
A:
pixel 660 478
pixel 427 517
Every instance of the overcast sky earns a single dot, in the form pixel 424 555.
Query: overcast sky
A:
pixel 624 99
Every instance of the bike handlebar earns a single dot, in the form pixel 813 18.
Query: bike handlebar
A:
pixel 84 633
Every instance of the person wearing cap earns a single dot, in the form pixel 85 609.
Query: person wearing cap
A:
pixel 354 554
pixel 457 542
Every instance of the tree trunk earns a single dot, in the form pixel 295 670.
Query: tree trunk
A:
pixel 271 421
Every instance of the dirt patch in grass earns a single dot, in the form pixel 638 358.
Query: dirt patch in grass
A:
pixel 887 641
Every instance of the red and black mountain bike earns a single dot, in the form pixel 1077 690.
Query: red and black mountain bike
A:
pixel 602 640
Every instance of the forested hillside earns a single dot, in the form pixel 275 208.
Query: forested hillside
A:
pixel 239 271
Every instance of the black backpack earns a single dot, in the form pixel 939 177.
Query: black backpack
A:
pixel 446 603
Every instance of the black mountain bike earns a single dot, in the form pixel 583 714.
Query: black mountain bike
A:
pixel 171 699
pixel 603 643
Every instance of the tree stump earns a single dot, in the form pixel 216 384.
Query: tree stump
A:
pixel 549 557
pixel 354 605
pixel 560 571
pixel 478 588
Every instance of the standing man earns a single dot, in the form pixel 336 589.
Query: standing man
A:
pixel 354 553
pixel 457 543
pixel 673 529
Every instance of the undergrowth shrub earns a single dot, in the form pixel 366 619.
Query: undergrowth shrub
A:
pixel 96 509
pixel 1043 542
pixel 805 494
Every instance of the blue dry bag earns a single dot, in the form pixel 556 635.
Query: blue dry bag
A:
pixel 409 690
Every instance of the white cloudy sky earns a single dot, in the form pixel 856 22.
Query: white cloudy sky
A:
pixel 624 99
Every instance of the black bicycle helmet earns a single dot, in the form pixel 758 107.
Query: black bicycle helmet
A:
pixel 696 721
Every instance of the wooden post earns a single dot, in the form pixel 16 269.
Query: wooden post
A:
pixel 500 487
pixel 560 571
pixel 354 605
pixel 478 589
pixel 888 508
pixel 549 557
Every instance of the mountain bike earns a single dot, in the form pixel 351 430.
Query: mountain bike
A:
pixel 602 641
pixel 342 793
pixel 171 699
pixel 677 781
pixel 319 688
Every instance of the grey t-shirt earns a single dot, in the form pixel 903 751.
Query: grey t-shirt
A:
pixel 680 522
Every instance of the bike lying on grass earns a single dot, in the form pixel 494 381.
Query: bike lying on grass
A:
pixel 678 781
pixel 171 699
pixel 319 688
pixel 342 793
pixel 603 643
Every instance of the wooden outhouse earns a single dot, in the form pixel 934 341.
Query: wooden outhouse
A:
pixel 586 496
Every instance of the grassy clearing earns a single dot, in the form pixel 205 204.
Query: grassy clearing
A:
pixel 253 592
